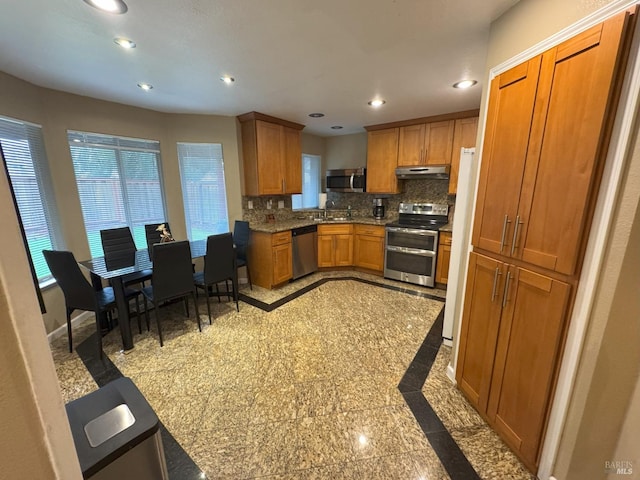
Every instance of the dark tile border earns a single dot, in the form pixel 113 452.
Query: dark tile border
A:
pixel 452 458
pixel 182 467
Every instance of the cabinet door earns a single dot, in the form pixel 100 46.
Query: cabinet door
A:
pixel 292 158
pixel 382 160
pixel 508 124
pixel 480 322
pixel 527 353
pixel 282 263
pixel 369 252
pixel 465 133
pixel 438 142
pixel 444 256
pixel 270 178
pixel 343 245
pixel 326 251
pixel 568 145
pixel 411 145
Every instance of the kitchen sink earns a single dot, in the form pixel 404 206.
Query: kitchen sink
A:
pixel 331 219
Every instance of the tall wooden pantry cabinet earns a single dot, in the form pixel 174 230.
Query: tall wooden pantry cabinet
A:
pixel 548 126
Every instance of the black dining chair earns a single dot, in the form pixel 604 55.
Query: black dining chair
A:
pixel 79 294
pixel 172 278
pixel 219 266
pixel 118 243
pixel 241 234
pixel 153 235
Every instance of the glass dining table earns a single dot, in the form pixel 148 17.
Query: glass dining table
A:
pixel 114 267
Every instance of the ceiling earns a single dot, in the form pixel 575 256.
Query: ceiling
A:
pixel 289 58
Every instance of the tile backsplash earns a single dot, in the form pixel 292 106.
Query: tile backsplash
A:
pixel 420 190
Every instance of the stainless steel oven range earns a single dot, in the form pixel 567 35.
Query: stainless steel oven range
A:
pixel 412 243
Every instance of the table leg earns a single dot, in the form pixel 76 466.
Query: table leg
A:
pixel 123 313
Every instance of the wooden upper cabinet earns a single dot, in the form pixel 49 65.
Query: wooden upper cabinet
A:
pixel 542 162
pixel 509 117
pixel 569 141
pixel 292 158
pixel 272 157
pixel 426 144
pixel 382 160
pixel 465 133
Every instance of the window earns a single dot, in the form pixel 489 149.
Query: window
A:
pixel 26 161
pixel 310 184
pixel 119 184
pixel 203 189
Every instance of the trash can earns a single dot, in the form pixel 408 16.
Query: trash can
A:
pixel 117 434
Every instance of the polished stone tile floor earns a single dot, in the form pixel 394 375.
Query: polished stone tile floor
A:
pixel 302 383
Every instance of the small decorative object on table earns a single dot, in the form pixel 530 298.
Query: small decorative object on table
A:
pixel 165 235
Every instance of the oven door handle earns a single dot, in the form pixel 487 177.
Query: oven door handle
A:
pixel 424 233
pixel 411 251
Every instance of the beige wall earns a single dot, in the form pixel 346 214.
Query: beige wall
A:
pixel 35 440
pixel 58 112
pixel 609 364
pixel 347 151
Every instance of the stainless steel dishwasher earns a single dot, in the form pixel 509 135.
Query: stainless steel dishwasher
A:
pixel 305 250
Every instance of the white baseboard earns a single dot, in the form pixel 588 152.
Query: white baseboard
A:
pixel 451 374
pixel 62 329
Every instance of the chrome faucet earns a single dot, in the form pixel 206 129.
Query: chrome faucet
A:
pixel 326 206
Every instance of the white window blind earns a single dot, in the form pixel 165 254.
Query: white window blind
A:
pixel 310 184
pixel 119 184
pixel 26 159
pixel 203 189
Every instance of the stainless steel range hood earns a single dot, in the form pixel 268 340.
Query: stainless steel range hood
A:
pixel 431 171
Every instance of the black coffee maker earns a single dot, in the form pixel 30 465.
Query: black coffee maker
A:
pixel 378 208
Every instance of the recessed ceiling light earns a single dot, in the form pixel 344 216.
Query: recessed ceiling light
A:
pixel 227 79
pixel 316 115
pixel 145 86
pixel 464 84
pixel 125 42
pixel 337 127
pixel 377 103
pixel 111 6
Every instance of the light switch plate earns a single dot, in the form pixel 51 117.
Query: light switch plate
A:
pixel 280 203
pixel 250 204
pixel 269 204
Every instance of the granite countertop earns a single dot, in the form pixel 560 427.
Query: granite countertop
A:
pixel 447 228
pixel 283 225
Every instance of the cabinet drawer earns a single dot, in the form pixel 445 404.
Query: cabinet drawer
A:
pixel 338 229
pixel 281 238
pixel 371 230
pixel 445 238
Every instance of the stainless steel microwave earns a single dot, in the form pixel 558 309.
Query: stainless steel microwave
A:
pixel 347 180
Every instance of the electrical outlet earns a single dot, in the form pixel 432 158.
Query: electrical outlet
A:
pixel 280 203
pixel 250 204
pixel 269 204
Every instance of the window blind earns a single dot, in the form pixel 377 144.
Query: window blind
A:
pixel 310 184
pixel 26 160
pixel 119 184
pixel 203 189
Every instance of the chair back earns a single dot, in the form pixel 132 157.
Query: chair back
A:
pixel 78 292
pixel 172 270
pixel 220 260
pixel 153 235
pixel 117 241
pixel 241 234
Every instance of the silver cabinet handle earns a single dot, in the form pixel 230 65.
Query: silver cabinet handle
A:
pixel 495 283
pixel 515 234
pixel 504 231
pixel 351 181
pixel 506 290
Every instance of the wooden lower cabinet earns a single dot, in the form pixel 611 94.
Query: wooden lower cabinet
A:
pixel 270 257
pixel 444 257
pixel 511 338
pixel 369 247
pixel 335 245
